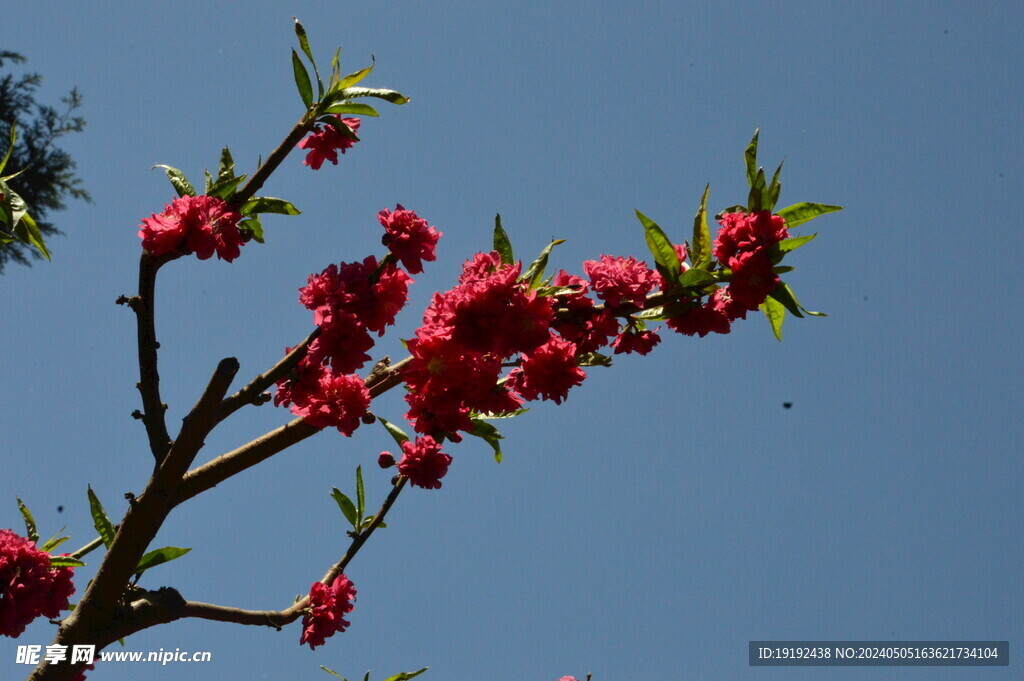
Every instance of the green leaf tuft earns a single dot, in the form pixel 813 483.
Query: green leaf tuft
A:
pixel 30 522
pixel 159 557
pixel 100 520
pixel 501 242
pixel 799 213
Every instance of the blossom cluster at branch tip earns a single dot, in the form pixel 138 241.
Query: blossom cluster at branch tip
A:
pixel 326 610
pixel 742 245
pixel 324 143
pixel 29 587
pixel 203 225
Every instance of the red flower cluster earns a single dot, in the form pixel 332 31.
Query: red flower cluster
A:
pixel 409 237
pixel 742 245
pixel 422 462
pixel 457 354
pixel 327 608
pixel 324 398
pixel 326 141
pixel 204 225
pixel 617 280
pixel 29 587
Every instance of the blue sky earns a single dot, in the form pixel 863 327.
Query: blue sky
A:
pixel 671 510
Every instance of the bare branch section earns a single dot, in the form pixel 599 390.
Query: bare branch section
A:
pixel 255 182
pixel 153 407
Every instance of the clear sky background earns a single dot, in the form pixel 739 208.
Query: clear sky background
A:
pixel 671 510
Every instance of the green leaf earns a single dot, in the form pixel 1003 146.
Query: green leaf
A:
pixel 178 180
pixel 501 242
pixel 224 189
pixel 487 416
pixel 30 522
pixel 757 200
pixel 750 158
pixel 700 247
pixel 799 213
pixel 405 676
pixel 360 495
pixel 787 245
pixel 253 227
pixel 53 542
pixel 26 228
pixel 159 557
pixel 396 432
pixel 346 506
pixel 302 82
pixel 696 277
pixel 660 247
pixel 535 274
pixel 784 294
pixel 775 187
pixel 208 181
pixel 489 434
pixel 268 204
pixel 336 67
pixel 355 108
pixel 594 359
pixel 226 168
pixel 100 520
pixel 65 561
pixel 387 95
pixel 661 312
pixel 300 33
pixel 776 314
pixel 333 673
pixel 353 78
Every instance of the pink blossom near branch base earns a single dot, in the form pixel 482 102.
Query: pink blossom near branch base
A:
pixel 409 237
pixel 423 462
pixel 325 143
pixel 203 224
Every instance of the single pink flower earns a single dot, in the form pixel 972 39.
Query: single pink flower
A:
pixel 548 372
pixel 204 224
pixel 29 587
pixel 748 232
pixel 326 610
pixel 324 143
pixel 619 281
pixel 424 463
pixel 409 237
pixel 640 342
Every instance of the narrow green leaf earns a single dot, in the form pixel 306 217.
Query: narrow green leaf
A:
pixel 387 95
pixel 784 295
pixel 775 187
pixel 65 561
pixel 333 673
pixel 353 78
pixel 501 242
pixel 782 269
pixel 268 204
pixel 53 542
pixel 405 676
pixel 367 676
pixel 300 33
pixel 335 68
pixel 489 434
pixel 27 229
pixel 787 245
pixel 224 189
pixel 700 247
pixel 346 506
pixel 660 247
pixel 360 495
pixel 486 416
pixel 662 312
pixel 355 108
pixel 799 213
pixel 30 522
pixel 535 274
pixel 159 557
pixel 208 181
pixel 776 314
pixel 253 227
pixel 757 199
pixel 396 432
pixel 750 158
pixel 178 180
pixel 226 168
pixel 302 82
pixel 100 520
